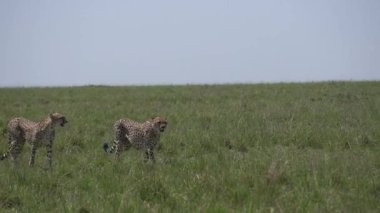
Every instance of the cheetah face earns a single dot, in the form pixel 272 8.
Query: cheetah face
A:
pixel 160 123
pixel 58 118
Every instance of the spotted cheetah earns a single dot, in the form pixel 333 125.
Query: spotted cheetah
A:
pixel 36 133
pixel 143 136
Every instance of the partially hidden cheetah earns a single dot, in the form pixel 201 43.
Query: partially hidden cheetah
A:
pixel 143 136
pixel 37 134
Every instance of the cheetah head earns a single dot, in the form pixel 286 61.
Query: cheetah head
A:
pixel 159 123
pixel 58 118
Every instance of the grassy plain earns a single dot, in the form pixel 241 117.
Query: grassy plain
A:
pixel 247 148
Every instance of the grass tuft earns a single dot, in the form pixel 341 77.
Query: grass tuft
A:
pixel 9 202
pixel 228 148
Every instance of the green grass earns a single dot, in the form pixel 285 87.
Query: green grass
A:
pixel 246 148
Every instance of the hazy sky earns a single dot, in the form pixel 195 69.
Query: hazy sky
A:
pixel 80 42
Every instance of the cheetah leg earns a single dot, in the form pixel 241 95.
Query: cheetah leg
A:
pixel 15 149
pixel 127 146
pixel 117 143
pixel 49 152
pixel 146 156
pixel 32 155
pixel 149 155
pixel 118 150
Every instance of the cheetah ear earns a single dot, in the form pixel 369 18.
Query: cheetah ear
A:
pixel 51 115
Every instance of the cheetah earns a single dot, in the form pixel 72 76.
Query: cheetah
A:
pixel 37 134
pixel 142 136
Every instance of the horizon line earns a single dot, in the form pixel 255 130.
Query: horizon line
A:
pixel 191 84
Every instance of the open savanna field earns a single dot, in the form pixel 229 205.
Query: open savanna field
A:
pixel 311 147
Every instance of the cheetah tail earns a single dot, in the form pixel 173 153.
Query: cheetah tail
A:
pixel 106 147
pixel 4 156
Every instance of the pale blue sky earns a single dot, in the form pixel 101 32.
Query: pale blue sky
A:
pixel 80 42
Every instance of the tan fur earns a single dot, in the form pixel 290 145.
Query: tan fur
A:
pixel 37 134
pixel 145 136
